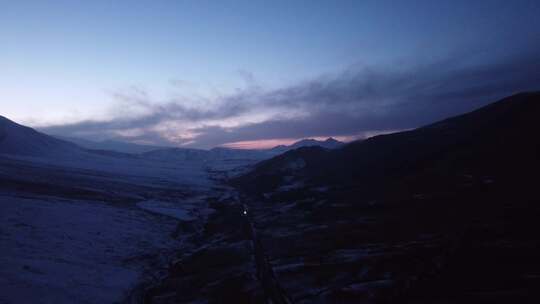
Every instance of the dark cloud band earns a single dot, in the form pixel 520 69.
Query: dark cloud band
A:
pixel 356 101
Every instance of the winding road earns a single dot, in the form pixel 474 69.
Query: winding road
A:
pixel 265 273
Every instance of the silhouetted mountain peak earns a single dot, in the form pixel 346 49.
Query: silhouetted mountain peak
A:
pixel 306 141
pixel 332 140
pixel 329 143
pixel 486 139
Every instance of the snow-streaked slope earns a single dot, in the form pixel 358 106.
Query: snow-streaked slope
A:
pixel 233 161
pixel 178 155
pixel 71 226
pixel 224 162
pixel 70 235
pixel 22 143
pixel 20 140
pixel 111 145
pixel 329 143
pixel 68 251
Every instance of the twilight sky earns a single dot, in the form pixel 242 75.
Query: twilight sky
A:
pixel 250 73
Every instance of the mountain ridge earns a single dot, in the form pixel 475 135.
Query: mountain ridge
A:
pixel 112 145
pixel 383 156
pixel 438 212
pixel 25 141
pixel 329 143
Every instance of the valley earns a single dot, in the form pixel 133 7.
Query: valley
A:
pixel 443 213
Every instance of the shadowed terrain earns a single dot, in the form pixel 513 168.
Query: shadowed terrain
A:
pixel 442 214
pixel 445 213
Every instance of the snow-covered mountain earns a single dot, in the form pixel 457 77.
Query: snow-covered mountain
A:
pixel 112 145
pixel 228 154
pixel 16 139
pixel 19 143
pixel 185 154
pixel 86 226
pixel 177 154
pixel 214 160
pixel 329 143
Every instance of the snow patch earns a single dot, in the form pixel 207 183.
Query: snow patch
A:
pixel 75 251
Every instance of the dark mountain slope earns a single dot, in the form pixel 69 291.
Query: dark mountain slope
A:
pixel 497 131
pixel 329 143
pixel 16 139
pixel 497 137
pixel 446 213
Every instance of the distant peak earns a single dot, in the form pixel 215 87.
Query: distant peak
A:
pixel 307 140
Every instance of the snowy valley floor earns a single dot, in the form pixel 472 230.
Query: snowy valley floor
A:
pixel 66 251
pixel 78 235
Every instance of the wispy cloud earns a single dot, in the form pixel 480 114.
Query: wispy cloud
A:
pixel 357 101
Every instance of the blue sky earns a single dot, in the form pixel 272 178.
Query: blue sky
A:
pixel 224 71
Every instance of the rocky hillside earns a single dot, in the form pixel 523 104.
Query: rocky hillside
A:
pixel 446 213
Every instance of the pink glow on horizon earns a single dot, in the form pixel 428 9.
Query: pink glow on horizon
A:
pixel 259 144
pixel 270 143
